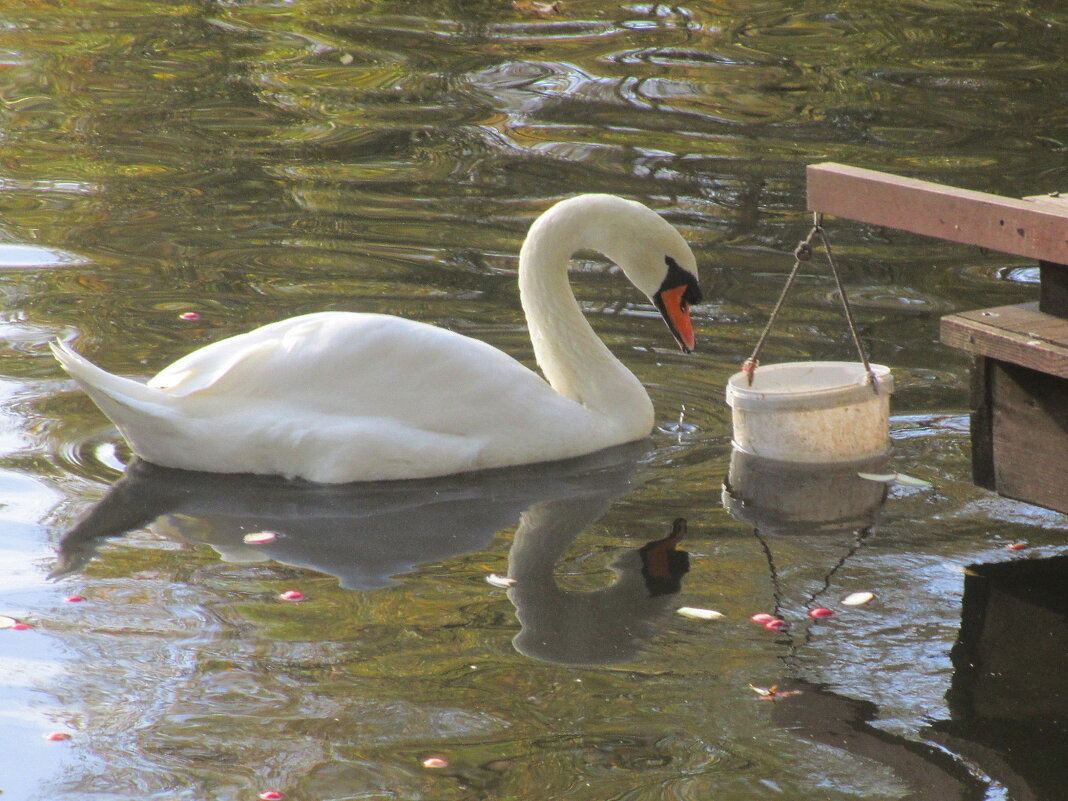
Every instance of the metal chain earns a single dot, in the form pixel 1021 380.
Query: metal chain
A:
pixel 803 253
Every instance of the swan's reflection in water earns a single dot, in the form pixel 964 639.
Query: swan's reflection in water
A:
pixel 365 534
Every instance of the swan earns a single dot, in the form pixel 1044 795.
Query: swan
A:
pixel 335 397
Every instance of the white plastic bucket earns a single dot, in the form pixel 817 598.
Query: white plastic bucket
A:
pixel 815 412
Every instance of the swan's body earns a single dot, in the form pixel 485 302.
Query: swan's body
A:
pixel 342 396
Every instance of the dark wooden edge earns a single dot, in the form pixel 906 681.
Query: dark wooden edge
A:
pixel 1053 291
pixel 982 425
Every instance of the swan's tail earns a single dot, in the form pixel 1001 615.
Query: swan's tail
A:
pixel 126 402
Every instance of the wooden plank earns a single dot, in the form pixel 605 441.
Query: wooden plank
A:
pixel 1017 334
pixel 1030 435
pixel 1032 229
pixel 1055 202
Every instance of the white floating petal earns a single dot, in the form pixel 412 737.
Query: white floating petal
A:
pixel 858 598
pixel 7 622
pixel 911 481
pixel 885 477
pixel 500 581
pixel 699 614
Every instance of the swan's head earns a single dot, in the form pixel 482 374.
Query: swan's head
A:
pixel 649 250
pixel 657 260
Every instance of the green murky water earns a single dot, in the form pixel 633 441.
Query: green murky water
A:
pixel 255 160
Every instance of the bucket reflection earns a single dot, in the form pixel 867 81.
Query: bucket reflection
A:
pixel 791 497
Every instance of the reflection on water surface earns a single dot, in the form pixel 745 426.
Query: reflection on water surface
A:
pixel 251 161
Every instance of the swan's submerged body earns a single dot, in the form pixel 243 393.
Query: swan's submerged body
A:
pixel 342 396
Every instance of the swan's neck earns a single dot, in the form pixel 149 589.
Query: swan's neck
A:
pixel 571 356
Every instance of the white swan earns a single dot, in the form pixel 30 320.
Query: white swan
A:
pixel 340 396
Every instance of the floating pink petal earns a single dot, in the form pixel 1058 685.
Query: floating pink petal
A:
pixel 775 624
pixel 260 538
pixel 56 736
pixel 435 762
pixel 189 316
pixel 820 612
pixel 271 795
pixel 74 599
pixel 1017 546
pixel 292 595
pixel 21 627
pixel 763 618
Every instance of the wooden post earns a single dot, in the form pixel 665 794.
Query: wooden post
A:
pixel 1020 379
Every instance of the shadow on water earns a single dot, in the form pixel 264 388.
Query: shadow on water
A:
pixel 366 534
pixel 1008 700
pixel 1009 697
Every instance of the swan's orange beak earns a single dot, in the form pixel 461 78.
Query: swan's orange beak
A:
pixel 675 309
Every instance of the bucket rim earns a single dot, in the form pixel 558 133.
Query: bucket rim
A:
pixel 742 396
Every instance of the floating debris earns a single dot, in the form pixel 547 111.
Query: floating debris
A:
pixel 858 598
pixel 189 316
pixel 435 763
pixel 884 477
pixel 1016 546
pixel 820 612
pixel 346 59
pixel 74 599
pixel 912 481
pixel 539 9
pixel 696 613
pixel 762 618
pixel 773 693
pixel 7 622
pixel 56 736
pixel 260 538
pixel 292 595
pixel 898 478
pixel 500 581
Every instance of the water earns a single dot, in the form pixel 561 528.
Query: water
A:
pixel 251 161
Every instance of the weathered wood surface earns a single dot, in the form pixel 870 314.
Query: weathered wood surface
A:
pixel 1030 435
pixel 1034 229
pixel 1020 335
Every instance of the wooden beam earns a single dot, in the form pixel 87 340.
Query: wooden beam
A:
pixel 1034 229
pixel 1016 334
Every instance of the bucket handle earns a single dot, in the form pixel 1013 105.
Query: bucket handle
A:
pixel 803 253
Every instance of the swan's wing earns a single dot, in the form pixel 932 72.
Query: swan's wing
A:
pixel 364 365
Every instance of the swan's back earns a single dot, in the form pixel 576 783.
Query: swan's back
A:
pixel 340 396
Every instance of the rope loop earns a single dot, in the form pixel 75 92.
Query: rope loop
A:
pixel 803 253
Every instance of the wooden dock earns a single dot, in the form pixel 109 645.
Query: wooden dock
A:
pixel 1020 378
